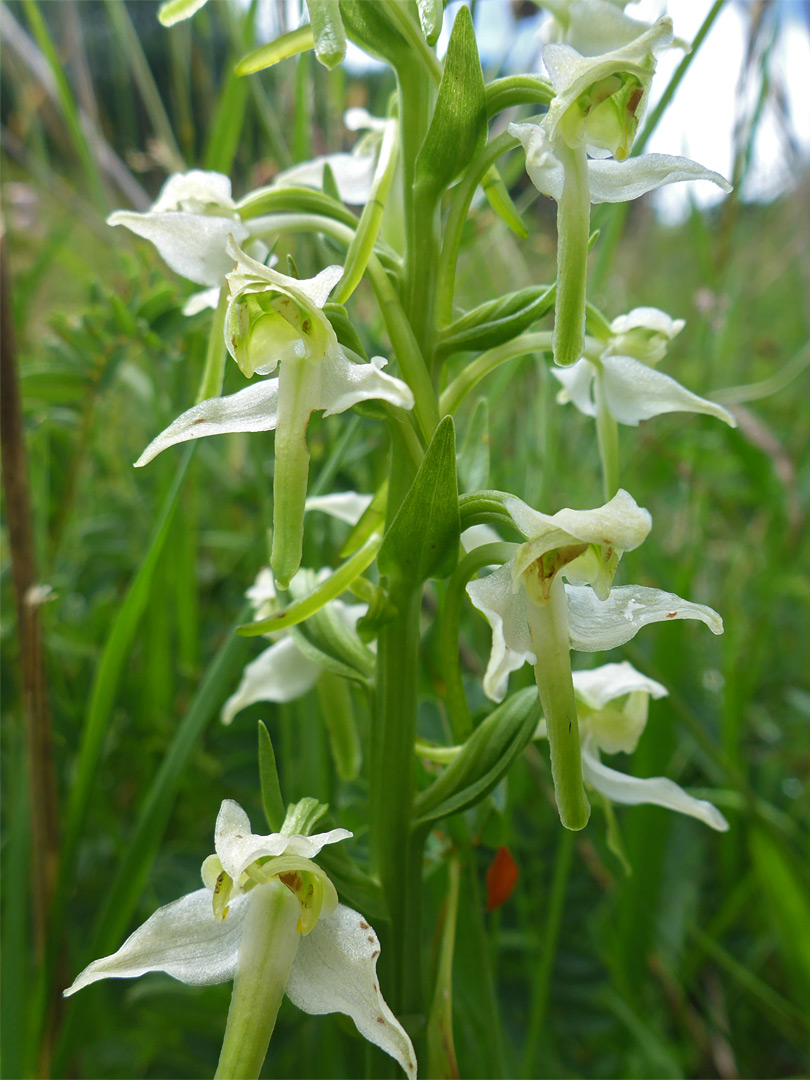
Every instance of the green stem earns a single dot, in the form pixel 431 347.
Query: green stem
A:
pixel 542 980
pixel 338 716
pixel 460 205
pixel 548 625
pixel 215 353
pixel 487 362
pixel 392 792
pixel 573 220
pixel 607 430
pixel 267 951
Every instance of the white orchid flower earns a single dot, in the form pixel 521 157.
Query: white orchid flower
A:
pixel 354 172
pixel 576 155
pixel 277 320
pixel 613 704
pixel 535 618
pixel 620 373
pixel 189 223
pixel 282 672
pixel 268 918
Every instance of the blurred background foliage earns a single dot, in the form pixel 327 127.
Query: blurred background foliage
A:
pixel 687 954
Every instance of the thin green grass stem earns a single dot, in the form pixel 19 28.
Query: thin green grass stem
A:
pixel 472 374
pixel 541 986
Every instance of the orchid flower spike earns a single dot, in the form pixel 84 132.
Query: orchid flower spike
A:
pixel 268 918
pixel 619 375
pixel 536 618
pixel 578 154
pixel 274 320
pixel 613 703
pixel 189 223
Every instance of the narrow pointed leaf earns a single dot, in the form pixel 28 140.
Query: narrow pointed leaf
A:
pixel 422 541
pixel 268 775
pixel 291 44
pixel 458 129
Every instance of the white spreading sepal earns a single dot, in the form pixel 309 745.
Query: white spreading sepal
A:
pixel 189 223
pixel 183 939
pixel 596 625
pixel 656 791
pixel 280 673
pixel 335 970
pixel 622 181
pixel 253 409
pixel 633 391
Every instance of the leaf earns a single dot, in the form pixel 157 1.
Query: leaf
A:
pixel 268 776
pixel 327 29
pixel 458 129
pixel 497 321
pixel 422 541
pixel 483 760
pixel 291 44
pixel 368 26
pixel 500 200
pixel 344 328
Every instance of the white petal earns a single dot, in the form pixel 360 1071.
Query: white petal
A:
pixel 199 301
pixel 620 523
pixel 348 506
pixel 251 409
pixel 280 673
pixel 197 186
pixel 577 385
pixel 353 173
pixel 610 681
pixel 263 589
pixel 237 847
pixel 344 383
pixel 335 970
pixel 648 318
pixel 504 607
pixel 622 181
pixel 193 245
pixel 183 939
pixel 655 791
pixel 635 391
pixel 604 624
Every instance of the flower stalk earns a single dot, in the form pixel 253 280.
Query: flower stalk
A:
pixel 266 954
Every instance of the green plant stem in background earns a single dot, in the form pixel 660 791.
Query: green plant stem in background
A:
pixel 267 951
pixel 607 430
pixel 541 983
